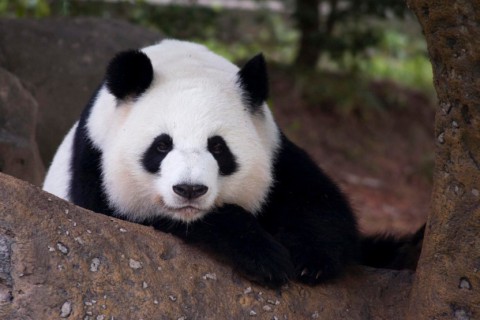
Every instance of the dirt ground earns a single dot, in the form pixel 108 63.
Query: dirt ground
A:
pixel 383 160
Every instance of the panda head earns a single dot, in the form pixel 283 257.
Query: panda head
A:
pixel 182 131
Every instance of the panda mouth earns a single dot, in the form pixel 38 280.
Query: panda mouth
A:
pixel 187 212
pixel 188 209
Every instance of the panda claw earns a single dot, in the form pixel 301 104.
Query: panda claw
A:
pixel 270 265
pixel 304 272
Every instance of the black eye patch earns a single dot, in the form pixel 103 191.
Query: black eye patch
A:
pixel 221 152
pixel 156 152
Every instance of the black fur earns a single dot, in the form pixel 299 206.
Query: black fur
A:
pixel 237 235
pixel 129 74
pixel 158 150
pixel 86 185
pixel 309 215
pixel 221 152
pixel 253 79
pixel 306 230
pixel 392 252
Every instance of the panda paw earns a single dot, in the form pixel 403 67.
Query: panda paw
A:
pixel 313 269
pixel 268 265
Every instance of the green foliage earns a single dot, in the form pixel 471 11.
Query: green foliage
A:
pixel 341 26
pixel 237 34
pixel 382 9
pixel 398 56
pixel 24 8
pixel 364 95
pixel 256 32
pixel 367 41
pixel 355 27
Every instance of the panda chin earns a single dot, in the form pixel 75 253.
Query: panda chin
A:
pixel 186 213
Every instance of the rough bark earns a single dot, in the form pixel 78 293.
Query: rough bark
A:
pixel 447 284
pixel 58 260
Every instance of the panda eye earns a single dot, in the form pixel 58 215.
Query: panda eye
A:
pixel 217 148
pixel 156 152
pixel 163 146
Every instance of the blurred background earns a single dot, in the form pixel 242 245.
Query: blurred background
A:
pixel 350 82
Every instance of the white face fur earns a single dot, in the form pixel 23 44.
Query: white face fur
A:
pixel 194 97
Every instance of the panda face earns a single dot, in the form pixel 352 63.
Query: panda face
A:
pixel 188 143
pixel 184 148
pixel 188 177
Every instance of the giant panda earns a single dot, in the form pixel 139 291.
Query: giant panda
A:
pixel 179 138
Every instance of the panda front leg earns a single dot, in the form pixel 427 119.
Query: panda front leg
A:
pixel 310 216
pixel 321 244
pixel 236 234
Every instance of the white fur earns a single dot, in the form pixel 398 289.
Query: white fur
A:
pixel 194 96
pixel 58 176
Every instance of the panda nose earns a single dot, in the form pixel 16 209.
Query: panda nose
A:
pixel 190 191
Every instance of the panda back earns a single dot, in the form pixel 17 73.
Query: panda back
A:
pixel 59 174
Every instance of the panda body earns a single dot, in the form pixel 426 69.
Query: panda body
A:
pixel 178 133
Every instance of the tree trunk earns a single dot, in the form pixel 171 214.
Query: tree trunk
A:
pixel 447 284
pixel 307 17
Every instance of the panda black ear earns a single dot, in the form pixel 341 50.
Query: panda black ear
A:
pixel 253 79
pixel 130 73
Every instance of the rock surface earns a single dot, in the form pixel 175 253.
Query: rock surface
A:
pixel 61 62
pixel 19 155
pixel 61 261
